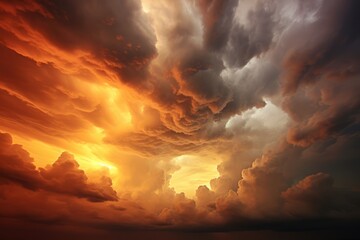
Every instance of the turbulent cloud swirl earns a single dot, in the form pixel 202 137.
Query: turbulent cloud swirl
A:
pixel 179 119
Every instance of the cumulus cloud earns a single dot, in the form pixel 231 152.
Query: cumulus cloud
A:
pixel 17 165
pixel 63 177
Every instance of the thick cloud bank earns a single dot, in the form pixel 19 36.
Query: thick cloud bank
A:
pixel 196 115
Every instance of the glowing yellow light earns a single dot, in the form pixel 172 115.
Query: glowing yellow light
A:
pixel 194 171
pixel 107 165
pixel 47 155
pixel 145 7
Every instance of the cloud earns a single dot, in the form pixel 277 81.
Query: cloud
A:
pixel 265 90
pixel 261 184
pixel 17 165
pixel 217 21
pixel 322 109
pixel 308 61
pixel 310 196
pixel 205 198
pixel 180 212
pixel 63 177
pixel 122 40
pixel 332 117
pixel 315 196
pixel 252 38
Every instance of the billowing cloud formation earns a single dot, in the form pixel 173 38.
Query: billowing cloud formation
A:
pixel 17 165
pixel 64 176
pixel 310 196
pixel 249 107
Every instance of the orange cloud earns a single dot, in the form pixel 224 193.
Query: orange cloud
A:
pixel 159 100
pixel 64 176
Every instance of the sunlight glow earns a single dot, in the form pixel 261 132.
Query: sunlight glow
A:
pixel 194 171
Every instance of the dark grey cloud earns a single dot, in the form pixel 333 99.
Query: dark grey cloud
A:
pixel 218 17
pixel 254 38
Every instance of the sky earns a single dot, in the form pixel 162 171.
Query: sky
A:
pixel 184 119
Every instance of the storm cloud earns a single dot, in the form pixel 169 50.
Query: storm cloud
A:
pixel 196 115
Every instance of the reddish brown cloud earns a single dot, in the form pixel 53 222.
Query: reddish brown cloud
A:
pixel 17 165
pixel 117 40
pixel 311 196
pixel 63 177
